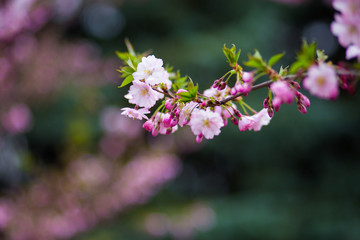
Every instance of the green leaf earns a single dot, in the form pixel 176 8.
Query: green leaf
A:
pixel 132 62
pixel 237 55
pixel 227 53
pixel 193 90
pixel 185 96
pixel 231 55
pixel 305 58
pixel 283 71
pixel 257 54
pixel 122 55
pixel 127 71
pixel 321 56
pixel 254 63
pixel 274 59
pixel 295 67
pixel 126 81
pixel 178 81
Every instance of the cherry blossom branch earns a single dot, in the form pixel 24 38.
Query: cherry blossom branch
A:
pixel 233 97
pixel 269 82
pixel 206 113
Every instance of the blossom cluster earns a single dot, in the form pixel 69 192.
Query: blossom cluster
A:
pixel 206 113
pixel 179 103
pixel 346 26
pixel 151 83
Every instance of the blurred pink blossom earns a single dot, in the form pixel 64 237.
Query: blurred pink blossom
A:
pixel 18 119
pixel 60 205
pixel 182 225
pixel 112 122
pixel 322 81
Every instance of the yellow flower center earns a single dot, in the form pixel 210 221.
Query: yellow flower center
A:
pixel 353 29
pixel 321 81
pixel 207 123
pixel 143 92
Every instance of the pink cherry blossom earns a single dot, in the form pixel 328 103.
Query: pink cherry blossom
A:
pixel 243 88
pixel 185 113
pixel 147 67
pixel 347 7
pixel 245 123
pixel 283 91
pixel 143 95
pixel 135 113
pixel 159 126
pixel 151 70
pixel 260 119
pixel 247 77
pixel 353 51
pixel 169 104
pixel 322 81
pixel 148 125
pixel 199 138
pixel 159 77
pixel 254 122
pixel 216 93
pixel 347 29
pixel 207 123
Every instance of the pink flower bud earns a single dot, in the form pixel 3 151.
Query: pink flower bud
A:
pixel 247 77
pixel 237 113
pixel 270 112
pixel 148 125
pixel 238 86
pixel 173 122
pixel 216 83
pixel 166 121
pixel 177 112
pixel 301 108
pixel 234 120
pixel 199 138
pixel 295 84
pixel 305 101
pixel 245 88
pixel 187 120
pixel 222 86
pixel 155 131
pixel 266 102
pixel 233 91
pixel 168 131
pixel 169 104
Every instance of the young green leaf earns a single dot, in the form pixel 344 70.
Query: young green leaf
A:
pixel 274 59
pixel 305 57
pixel 126 81
pixel 122 55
